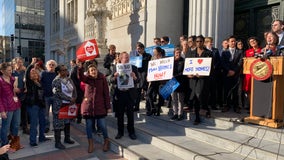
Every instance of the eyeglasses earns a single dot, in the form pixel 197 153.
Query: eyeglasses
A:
pixel 51 64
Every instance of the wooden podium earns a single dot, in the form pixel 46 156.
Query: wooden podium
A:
pixel 276 98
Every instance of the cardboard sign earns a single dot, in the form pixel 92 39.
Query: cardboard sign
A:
pixel 200 66
pixel 160 69
pixel 68 112
pixel 169 88
pixel 124 80
pixel 88 50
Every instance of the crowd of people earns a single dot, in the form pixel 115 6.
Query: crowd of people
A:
pixel 27 93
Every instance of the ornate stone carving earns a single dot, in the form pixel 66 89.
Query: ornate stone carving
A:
pixel 123 7
pixel 100 12
pixel 275 12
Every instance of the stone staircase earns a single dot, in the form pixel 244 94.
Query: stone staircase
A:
pixel 219 138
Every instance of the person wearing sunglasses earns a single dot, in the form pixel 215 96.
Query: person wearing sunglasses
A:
pixel 64 93
pixel 199 84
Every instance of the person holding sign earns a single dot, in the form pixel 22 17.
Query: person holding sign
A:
pixel 199 84
pixel 125 96
pixel 178 94
pixel 153 88
pixel 96 103
pixel 64 93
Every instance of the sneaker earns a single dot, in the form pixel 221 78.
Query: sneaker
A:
pixel 46 130
pixel 44 140
pixel 132 136
pixel 118 136
pixel 33 145
pixel 180 117
pixel 174 117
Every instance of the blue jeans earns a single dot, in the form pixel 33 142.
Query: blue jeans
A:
pixel 36 115
pixel 101 124
pixel 48 101
pixel 10 125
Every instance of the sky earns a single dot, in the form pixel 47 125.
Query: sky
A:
pixel 1 23
pixel 7 14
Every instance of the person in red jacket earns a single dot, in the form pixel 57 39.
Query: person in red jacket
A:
pixel 254 48
pixel 96 103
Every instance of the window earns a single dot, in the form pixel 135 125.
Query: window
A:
pixel 72 12
pixel 55 16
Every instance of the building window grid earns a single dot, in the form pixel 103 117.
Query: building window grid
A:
pixel 55 16
pixel 72 12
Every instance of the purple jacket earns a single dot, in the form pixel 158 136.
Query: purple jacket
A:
pixel 96 99
pixel 7 102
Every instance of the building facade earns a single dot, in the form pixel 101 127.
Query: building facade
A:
pixel 125 22
pixel 29 29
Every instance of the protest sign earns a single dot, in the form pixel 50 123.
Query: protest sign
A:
pixel 160 69
pixel 200 66
pixel 169 50
pixel 136 61
pixel 169 88
pixel 88 50
pixel 124 80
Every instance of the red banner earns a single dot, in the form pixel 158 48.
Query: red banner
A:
pixel 88 50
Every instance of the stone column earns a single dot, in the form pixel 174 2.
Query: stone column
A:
pixel 214 18
pixel 100 12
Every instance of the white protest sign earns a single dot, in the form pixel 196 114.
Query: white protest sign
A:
pixel 160 69
pixel 200 66
pixel 124 79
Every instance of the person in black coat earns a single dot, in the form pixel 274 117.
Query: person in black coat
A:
pixel 125 100
pixel 80 94
pixel 178 94
pixel 216 84
pixel 142 85
pixel 109 58
pixel 199 84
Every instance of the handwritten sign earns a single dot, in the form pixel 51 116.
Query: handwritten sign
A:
pixel 124 79
pixel 169 50
pixel 169 88
pixel 200 66
pixel 136 61
pixel 160 69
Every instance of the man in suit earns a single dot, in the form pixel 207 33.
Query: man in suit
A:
pixel 278 27
pixel 126 99
pixel 216 84
pixel 231 64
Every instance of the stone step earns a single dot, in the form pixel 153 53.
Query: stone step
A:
pixel 229 140
pixel 131 149
pixel 221 137
pixel 231 122
pixel 172 140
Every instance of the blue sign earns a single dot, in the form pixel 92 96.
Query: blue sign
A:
pixel 169 49
pixel 136 61
pixel 169 88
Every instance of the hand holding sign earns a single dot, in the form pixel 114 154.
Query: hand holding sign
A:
pixel 197 67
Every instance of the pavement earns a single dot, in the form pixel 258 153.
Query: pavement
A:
pixel 76 151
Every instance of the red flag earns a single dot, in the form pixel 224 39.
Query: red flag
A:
pixel 88 50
